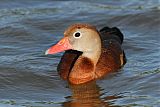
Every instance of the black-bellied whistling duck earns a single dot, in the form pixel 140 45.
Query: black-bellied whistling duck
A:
pixel 89 54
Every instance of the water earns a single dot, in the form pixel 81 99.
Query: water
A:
pixel 29 78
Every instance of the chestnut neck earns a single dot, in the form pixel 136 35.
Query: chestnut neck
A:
pixel 93 53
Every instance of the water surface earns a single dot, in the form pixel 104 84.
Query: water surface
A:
pixel 29 78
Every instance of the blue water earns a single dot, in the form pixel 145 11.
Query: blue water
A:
pixel 28 78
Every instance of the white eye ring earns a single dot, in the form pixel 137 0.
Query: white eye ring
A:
pixel 77 34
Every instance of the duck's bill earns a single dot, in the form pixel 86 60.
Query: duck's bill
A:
pixel 62 45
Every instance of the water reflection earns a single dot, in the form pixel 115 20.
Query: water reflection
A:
pixel 88 95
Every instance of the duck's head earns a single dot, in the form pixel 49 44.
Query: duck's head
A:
pixel 80 37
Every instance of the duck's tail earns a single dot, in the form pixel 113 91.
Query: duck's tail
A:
pixel 113 31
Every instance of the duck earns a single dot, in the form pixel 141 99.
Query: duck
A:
pixel 89 54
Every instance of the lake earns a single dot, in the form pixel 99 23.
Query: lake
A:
pixel 28 78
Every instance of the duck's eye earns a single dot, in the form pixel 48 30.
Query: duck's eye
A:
pixel 77 35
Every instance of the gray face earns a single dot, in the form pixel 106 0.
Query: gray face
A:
pixel 83 39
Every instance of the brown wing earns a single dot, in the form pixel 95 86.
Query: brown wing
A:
pixel 112 57
pixel 67 62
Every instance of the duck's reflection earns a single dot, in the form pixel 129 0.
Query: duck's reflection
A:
pixel 87 95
